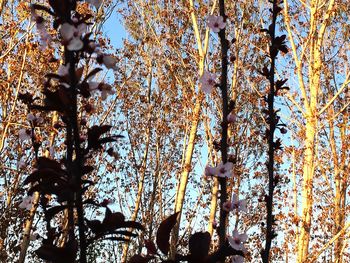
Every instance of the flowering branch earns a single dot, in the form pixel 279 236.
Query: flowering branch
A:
pixel 276 44
pixel 224 125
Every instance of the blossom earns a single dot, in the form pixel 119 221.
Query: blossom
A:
pixel 21 164
pixel 237 240
pixel 227 206
pixel 72 35
pixel 231 117
pixel 208 81
pixel 45 37
pixel 31 117
pixel 216 23
pixel 224 170
pixel 109 61
pixel 52 151
pixel 95 3
pixel 237 259
pixel 27 202
pixel 104 88
pixel 24 134
pixel 33 236
pixel 210 171
pixel 63 70
pixel 35 118
pixel 240 205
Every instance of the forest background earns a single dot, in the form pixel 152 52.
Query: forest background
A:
pixel 172 129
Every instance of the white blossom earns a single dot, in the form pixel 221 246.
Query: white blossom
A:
pixel 216 23
pixel 207 81
pixel 27 202
pixel 71 34
pixel 24 134
pixel 237 240
pixel 95 3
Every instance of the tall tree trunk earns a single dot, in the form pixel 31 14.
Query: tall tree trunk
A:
pixel 143 167
pixel 187 164
pixel 312 45
pixel 29 222
pixel 340 183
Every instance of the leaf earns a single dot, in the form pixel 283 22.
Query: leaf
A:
pixel 199 244
pixel 113 221
pixel 42 8
pixel 45 174
pixel 62 7
pixel 55 76
pixel 133 224
pixel 26 98
pixel 92 73
pixel 58 254
pixel 94 134
pixel 95 226
pixel 51 212
pixel 151 247
pixel 87 169
pixel 163 233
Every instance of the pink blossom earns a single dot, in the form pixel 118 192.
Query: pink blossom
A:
pixel 95 3
pixel 52 151
pixel 231 117
pixel 237 259
pixel 240 205
pixel 35 118
pixel 33 236
pixel 27 202
pixel 237 240
pixel 210 171
pixel 208 81
pixel 72 35
pixel 63 70
pixel 24 134
pixel 227 206
pixel 224 170
pixel 93 85
pixel 21 164
pixel 216 23
pixel 106 90
pixel 31 117
pixel 109 61
pixel 45 38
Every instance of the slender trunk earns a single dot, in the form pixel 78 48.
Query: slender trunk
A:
pixel 27 229
pixel 307 196
pixel 215 189
pixel 186 170
pixel 139 194
pixel 340 184
pixel 29 222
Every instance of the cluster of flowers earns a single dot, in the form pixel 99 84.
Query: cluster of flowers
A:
pixel 208 83
pixel 208 80
pixel 236 240
pixel 72 36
